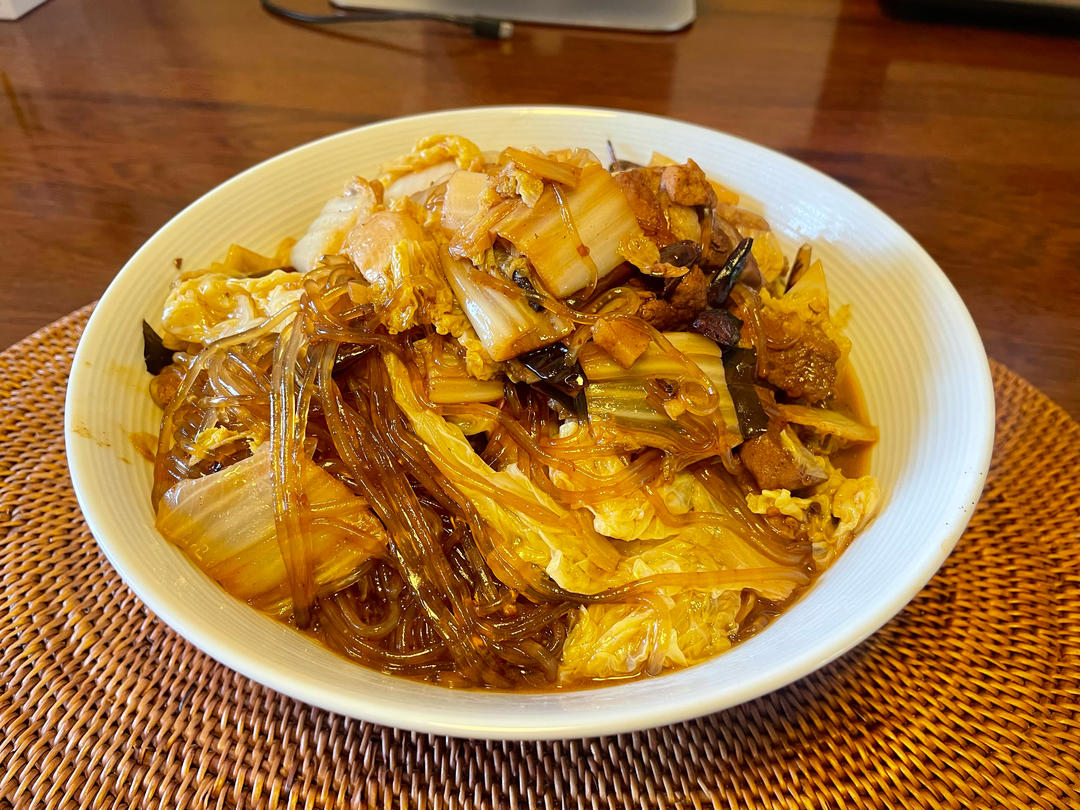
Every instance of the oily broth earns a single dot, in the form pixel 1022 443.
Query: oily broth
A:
pixel 853 461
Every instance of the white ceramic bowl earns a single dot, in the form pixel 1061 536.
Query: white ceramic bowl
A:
pixel 916 351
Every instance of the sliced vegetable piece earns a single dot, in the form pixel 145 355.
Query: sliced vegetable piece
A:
pixel 204 308
pixel 225 522
pixel 529 527
pixel 507 326
pixel 461 202
pixel 574 242
pixel 246 263
pixel 449 390
pixel 630 413
pixel 326 233
pixel 740 367
pixel 810 292
pixel 810 469
pixel 683 222
pixel 370 243
pixel 724 195
pixel 432 151
pixel 414 183
pixel 448 380
pixel 155 355
pixel 829 422
pixel 798 267
pixel 542 166
pixel 655 362
pixel 768 256
pixel 627 403
pixel 724 277
pixel 623 395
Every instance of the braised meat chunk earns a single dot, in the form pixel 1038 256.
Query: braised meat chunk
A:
pixel 778 460
pixel 642 189
pixel 622 340
pixel 687 185
pixel 807 368
pixel 685 301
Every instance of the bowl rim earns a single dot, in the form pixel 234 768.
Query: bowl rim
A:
pixel 605 721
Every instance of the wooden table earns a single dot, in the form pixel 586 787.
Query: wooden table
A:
pixel 118 113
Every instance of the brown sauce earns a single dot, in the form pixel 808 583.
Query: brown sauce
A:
pixel 853 461
pixel 145 445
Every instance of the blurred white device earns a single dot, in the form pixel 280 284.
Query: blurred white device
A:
pixel 13 9
pixel 627 15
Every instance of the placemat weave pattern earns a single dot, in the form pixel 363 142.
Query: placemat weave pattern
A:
pixel 969 698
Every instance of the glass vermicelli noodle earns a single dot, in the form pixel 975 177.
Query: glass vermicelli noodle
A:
pixel 513 420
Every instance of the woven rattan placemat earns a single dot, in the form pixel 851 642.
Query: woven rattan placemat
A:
pixel 967 698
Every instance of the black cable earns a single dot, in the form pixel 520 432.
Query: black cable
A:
pixel 480 26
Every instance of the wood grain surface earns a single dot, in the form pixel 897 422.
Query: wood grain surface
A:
pixel 118 113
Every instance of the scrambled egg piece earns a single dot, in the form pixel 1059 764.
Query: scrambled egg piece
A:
pixel 511 181
pixel 412 289
pixel 627 517
pixel 767 253
pixel 610 641
pixel 210 439
pixel 409 285
pixel 431 151
pixel 808 302
pixel 833 510
pixel 676 628
pixel 211 306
